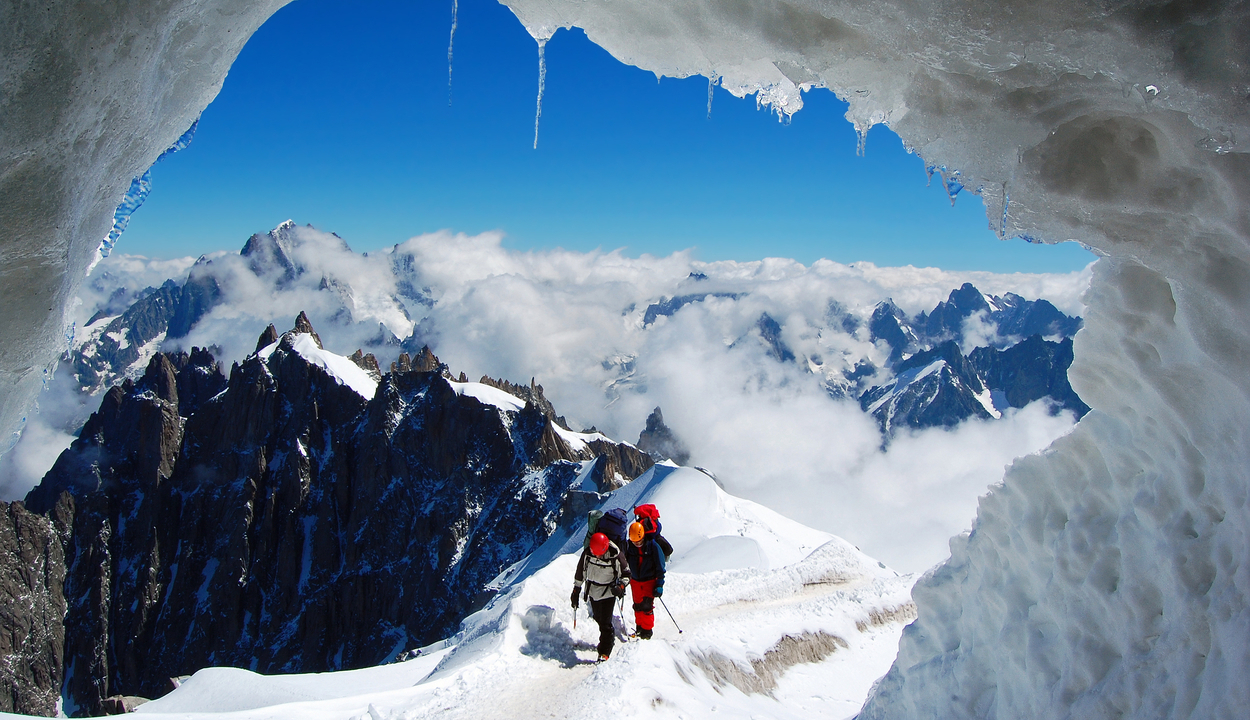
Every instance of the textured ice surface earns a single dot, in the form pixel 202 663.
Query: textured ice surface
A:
pixel 90 95
pixel 1105 577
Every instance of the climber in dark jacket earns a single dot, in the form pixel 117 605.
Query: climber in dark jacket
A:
pixel 601 577
pixel 646 569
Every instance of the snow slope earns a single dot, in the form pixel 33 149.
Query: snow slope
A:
pixel 758 598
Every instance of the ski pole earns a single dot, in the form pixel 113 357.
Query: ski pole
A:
pixel 670 615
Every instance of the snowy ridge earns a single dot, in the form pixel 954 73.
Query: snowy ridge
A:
pixel 343 370
pixel 754 594
pixel 488 395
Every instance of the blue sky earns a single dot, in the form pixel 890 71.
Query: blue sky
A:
pixel 337 115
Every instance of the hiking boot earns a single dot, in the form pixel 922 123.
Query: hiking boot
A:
pixel 602 657
pixel 644 633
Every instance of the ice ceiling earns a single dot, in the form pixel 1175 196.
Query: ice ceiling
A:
pixel 1108 576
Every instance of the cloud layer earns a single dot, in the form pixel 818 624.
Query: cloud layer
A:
pixel 577 323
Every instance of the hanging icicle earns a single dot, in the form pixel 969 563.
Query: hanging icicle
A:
pixel 455 7
pixel 711 83
pixel 542 82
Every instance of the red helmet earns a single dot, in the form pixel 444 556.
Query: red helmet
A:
pixel 598 543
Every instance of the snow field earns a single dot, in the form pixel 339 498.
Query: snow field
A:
pixel 777 620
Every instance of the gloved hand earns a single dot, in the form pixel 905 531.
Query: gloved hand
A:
pixel 659 590
pixel 575 598
pixel 619 589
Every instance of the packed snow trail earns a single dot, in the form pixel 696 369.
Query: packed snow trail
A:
pixel 779 620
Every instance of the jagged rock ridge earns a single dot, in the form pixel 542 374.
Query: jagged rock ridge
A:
pixel 282 521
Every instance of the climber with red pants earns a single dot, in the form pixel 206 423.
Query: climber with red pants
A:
pixel 646 570
pixel 601 577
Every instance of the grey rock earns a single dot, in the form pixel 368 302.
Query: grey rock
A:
pixel 660 442
pixel 288 524
pixel 32 629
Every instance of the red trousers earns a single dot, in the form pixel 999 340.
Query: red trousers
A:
pixel 643 592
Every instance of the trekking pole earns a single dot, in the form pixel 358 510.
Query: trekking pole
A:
pixel 670 615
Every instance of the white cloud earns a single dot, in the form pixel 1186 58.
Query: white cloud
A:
pixel 575 322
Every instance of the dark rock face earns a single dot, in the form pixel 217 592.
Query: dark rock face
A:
pixel 889 323
pixel 659 441
pixel 32 628
pixel 1013 317
pixel 667 306
pixel 770 333
pixel 941 387
pixel 286 523
pixel 1030 370
pixel 935 388
pixel 947 319
pixel 167 312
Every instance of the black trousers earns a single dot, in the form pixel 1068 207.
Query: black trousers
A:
pixel 602 612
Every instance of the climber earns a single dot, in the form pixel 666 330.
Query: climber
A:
pixel 646 569
pixel 601 577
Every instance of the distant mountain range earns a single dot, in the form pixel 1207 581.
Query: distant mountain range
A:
pixel 972 356
pixel 935 385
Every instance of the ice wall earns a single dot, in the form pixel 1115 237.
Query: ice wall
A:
pixel 90 94
pixel 1107 576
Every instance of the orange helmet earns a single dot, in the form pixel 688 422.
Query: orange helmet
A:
pixel 636 531
pixel 598 543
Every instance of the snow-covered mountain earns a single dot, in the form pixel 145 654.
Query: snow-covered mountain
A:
pixel 307 513
pixel 310 514
pixel 775 620
pixel 400 300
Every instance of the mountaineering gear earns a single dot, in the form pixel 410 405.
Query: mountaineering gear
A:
pixel 612 523
pixel 636 531
pixel 646 560
pixel 659 591
pixel 670 616
pixel 602 658
pixel 577 590
pixel 649 517
pixel 600 573
pixel 646 569
pixel 599 543
pixel 644 633
pixel 618 590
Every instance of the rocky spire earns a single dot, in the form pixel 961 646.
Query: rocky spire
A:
pixel 304 326
pixel 268 337
pixel 658 440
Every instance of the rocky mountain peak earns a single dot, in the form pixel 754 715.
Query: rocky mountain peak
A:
pixel 367 362
pixel 304 326
pixel 267 338
pixel 284 521
pixel 531 394
pixel 659 441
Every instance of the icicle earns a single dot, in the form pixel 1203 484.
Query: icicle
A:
pixel 455 7
pixel 711 83
pixel 950 183
pixel 861 137
pixel 542 82
pixel 1002 232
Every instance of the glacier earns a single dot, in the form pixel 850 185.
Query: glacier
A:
pixel 1105 576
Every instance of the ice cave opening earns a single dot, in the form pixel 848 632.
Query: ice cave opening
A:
pixel 1107 575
